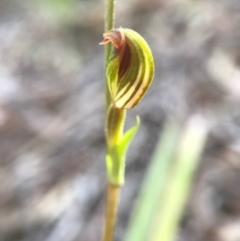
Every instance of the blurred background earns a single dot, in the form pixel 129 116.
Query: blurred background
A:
pixel 52 173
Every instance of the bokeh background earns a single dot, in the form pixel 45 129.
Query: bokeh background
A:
pixel 52 174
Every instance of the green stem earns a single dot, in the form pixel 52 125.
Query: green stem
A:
pixel 109 24
pixel 113 193
pixel 112 132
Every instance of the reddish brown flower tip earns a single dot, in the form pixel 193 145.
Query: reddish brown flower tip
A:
pixel 116 37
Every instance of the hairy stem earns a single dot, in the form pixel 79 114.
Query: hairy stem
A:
pixel 113 193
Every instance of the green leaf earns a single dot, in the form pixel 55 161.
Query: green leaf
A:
pixel 116 155
pixel 127 138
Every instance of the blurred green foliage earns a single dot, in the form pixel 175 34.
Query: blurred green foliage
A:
pixel 62 10
pixel 165 189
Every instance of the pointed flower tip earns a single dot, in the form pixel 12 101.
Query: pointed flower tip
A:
pixel 105 41
pixel 115 37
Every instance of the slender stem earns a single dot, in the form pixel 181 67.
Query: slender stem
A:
pixel 113 193
pixel 109 14
pixel 109 24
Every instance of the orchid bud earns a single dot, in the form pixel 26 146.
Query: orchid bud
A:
pixel 130 67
